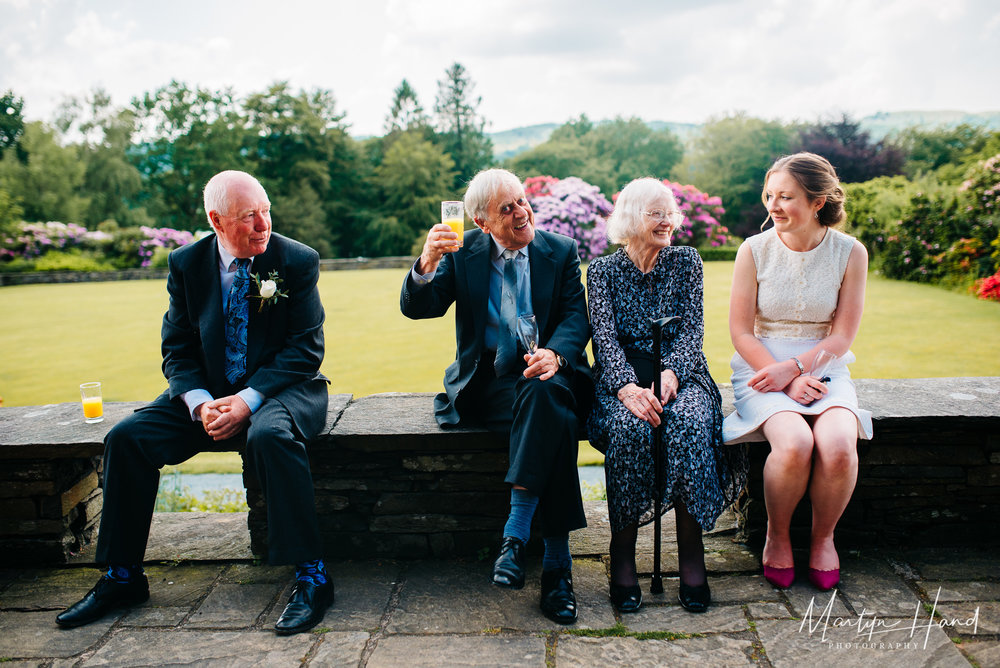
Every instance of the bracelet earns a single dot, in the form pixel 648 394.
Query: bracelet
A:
pixel 802 369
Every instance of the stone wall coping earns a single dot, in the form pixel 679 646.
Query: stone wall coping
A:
pixel 58 430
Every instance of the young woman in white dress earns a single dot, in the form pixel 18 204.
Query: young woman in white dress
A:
pixel 798 289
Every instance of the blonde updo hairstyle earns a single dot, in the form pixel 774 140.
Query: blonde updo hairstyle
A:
pixel 817 177
pixel 625 220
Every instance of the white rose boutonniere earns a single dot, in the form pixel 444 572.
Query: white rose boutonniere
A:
pixel 267 289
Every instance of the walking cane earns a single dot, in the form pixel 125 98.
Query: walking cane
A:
pixel 657 325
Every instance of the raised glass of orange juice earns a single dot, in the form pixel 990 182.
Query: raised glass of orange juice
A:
pixel 93 406
pixel 453 215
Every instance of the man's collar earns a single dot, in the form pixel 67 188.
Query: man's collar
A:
pixel 496 250
pixel 225 257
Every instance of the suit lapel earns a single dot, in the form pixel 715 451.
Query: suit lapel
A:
pixel 543 275
pixel 208 314
pixel 477 272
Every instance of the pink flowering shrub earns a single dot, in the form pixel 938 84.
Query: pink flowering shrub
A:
pixel 572 207
pixel 161 237
pixel 36 239
pixel 701 227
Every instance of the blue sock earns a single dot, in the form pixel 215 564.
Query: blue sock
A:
pixel 311 571
pixel 557 553
pixel 522 509
pixel 123 574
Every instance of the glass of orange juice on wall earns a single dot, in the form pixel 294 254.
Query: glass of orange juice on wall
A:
pixel 93 406
pixel 453 215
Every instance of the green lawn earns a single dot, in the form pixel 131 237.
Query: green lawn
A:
pixel 54 337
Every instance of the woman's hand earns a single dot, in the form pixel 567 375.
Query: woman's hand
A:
pixel 668 386
pixel 806 389
pixel 642 403
pixel 774 377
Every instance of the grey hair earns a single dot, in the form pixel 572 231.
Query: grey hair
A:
pixel 625 220
pixel 216 194
pixel 483 187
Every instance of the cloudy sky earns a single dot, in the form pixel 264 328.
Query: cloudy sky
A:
pixel 532 61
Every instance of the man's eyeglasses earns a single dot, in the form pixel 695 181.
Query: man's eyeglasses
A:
pixel 659 215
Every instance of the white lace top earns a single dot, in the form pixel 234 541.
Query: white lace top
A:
pixel 797 292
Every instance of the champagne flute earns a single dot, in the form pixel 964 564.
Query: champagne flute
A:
pixel 821 364
pixel 527 332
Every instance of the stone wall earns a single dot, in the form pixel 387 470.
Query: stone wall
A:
pixel 389 482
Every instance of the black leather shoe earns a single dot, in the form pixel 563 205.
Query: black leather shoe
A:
pixel 508 569
pixel 695 599
pixel 626 599
pixel 106 595
pixel 306 607
pixel 558 601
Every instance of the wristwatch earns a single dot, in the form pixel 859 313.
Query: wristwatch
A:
pixel 561 361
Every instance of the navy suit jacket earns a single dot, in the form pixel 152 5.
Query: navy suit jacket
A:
pixel 284 339
pixel 463 278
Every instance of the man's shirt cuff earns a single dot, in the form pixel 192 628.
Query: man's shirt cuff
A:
pixel 252 398
pixel 195 398
pixel 421 279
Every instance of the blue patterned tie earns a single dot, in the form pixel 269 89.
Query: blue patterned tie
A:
pixel 506 342
pixel 236 323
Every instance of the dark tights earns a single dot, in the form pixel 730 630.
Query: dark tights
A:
pixel 690 551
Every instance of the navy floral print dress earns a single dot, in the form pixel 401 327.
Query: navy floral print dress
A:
pixel 699 470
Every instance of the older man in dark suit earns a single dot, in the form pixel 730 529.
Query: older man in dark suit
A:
pixel 505 269
pixel 242 343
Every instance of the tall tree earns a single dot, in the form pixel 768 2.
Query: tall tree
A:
pixel 186 136
pixel 307 161
pixel 49 181
pixel 729 158
pixel 930 149
pixel 414 177
pixel 461 130
pixel 11 120
pixel 850 150
pixel 111 182
pixel 406 112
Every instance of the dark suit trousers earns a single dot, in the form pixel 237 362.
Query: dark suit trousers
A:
pixel 540 416
pixel 163 433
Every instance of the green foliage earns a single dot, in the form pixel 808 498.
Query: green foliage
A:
pixel 930 150
pixel 11 212
pixel 721 253
pixel 461 130
pixel 71 260
pixel 193 134
pixel 11 120
pixel 609 155
pixel 729 159
pixel 850 149
pixel 174 498
pixel 415 176
pixel 406 112
pixel 50 180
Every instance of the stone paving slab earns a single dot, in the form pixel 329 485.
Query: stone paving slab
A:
pixel 480 651
pixel 339 649
pixel 790 643
pixel 961 591
pixel 945 563
pixel 803 597
pixel 873 585
pixel 768 610
pixel 233 606
pixel 26 635
pixel 716 651
pixel 985 653
pixel 426 607
pixel 717 619
pixel 971 618
pixel 204 648
pixel 361 594
pixel 154 617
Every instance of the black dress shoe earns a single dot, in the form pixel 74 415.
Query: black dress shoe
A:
pixel 508 569
pixel 306 607
pixel 558 601
pixel 106 595
pixel 695 599
pixel 626 599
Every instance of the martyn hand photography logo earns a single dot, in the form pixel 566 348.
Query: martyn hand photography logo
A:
pixel 871 630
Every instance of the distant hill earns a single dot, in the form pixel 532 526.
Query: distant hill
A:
pixel 509 143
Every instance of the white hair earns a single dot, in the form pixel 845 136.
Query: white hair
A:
pixel 483 187
pixel 626 219
pixel 216 194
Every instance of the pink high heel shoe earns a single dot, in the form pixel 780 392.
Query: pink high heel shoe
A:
pixel 782 578
pixel 824 580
